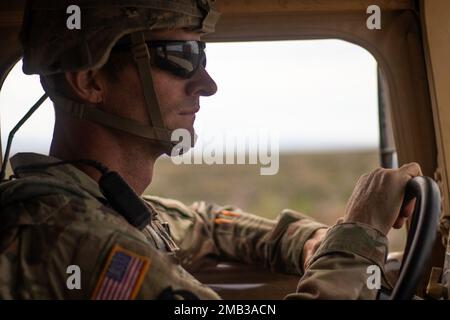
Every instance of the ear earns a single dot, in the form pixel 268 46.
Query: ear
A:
pixel 87 86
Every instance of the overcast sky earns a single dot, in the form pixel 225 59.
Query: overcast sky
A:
pixel 316 94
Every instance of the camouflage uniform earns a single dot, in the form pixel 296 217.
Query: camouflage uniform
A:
pixel 53 218
pixel 56 217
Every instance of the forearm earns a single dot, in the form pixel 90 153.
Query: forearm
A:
pixel 227 233
pixel 277 244
pixel 339 268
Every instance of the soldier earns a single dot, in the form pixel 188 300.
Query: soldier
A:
pixel 120 85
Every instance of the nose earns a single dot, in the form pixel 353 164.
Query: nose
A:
pixel 201 84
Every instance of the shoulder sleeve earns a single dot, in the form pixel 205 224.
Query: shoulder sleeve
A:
pixel 65 244
pixel 118 263
pixel 132 269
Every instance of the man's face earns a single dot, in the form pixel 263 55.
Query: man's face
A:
pixel 178 97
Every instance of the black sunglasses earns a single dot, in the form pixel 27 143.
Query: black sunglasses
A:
pixel 180 57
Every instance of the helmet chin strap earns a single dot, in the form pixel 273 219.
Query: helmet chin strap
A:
pixel 156 130
pixel 92 113
pixel 141 55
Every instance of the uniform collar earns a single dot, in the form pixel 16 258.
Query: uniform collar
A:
pixel 66 173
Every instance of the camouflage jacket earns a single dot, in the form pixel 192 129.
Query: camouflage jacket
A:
pixel 55 223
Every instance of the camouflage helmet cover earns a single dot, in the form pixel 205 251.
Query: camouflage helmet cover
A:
pixel 51 47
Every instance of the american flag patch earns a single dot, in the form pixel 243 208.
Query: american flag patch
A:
pixel 122 275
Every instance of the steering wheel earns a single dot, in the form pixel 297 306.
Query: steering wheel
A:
pixel 421 236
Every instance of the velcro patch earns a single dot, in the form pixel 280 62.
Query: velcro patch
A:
pixel 122 275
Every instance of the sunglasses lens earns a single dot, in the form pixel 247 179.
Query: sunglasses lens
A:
pixel 182 58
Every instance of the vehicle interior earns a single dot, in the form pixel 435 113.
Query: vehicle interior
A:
pixel 412 49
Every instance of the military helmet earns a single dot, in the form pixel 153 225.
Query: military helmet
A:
pixel 51 47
